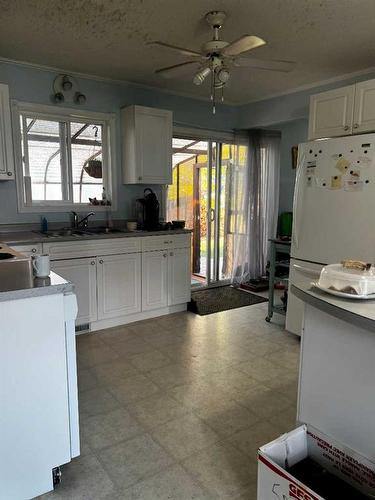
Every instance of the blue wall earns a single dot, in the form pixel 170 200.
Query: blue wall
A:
pixel 34 85
pixel 288 113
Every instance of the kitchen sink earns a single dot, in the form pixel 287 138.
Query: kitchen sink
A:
pixel 89 231
pixel 60 233
pixel 102 230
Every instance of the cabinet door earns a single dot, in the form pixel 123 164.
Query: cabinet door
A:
pixel 179 276
pixel 6 142
pixel 331 113
pixel 81 272
pixel 364 107
pixel 119 285
pixel 153 128
pixel 154 280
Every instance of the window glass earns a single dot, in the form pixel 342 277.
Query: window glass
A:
pixel 87 161
pixel 64 161
pixel 42 158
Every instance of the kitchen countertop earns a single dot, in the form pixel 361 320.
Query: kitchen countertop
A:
pixel 360 313
pixel 40 286
pixel 30 237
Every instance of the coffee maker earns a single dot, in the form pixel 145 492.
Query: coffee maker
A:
pixel 149 209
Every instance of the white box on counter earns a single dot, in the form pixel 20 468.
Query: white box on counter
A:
pixel 275 458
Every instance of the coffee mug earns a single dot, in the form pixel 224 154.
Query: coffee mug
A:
pixel 41 265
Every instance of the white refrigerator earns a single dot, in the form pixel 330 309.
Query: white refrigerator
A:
pixel 333 211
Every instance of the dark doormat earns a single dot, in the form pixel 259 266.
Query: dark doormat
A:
pixel 222 298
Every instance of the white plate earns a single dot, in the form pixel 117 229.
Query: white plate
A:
pixel 345 295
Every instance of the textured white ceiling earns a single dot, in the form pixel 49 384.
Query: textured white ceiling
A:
pixel 326 38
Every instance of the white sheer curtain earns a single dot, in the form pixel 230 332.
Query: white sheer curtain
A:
pixel 256 201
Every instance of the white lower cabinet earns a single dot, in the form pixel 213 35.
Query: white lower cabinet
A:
pixel 179 276
pixel 154 280
pixel 81 272
pixel 119 285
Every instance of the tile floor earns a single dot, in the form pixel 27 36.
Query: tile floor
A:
pixel 176 407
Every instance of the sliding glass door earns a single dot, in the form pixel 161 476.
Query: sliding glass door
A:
pixel 201 194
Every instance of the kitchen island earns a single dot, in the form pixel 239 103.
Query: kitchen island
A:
pixel 38 385
pixel 337 370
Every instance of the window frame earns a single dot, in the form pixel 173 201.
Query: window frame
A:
pixel 66 115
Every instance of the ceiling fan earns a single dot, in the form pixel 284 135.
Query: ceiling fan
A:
pixel 216 57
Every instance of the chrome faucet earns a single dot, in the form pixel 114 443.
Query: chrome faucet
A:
pixel 76 223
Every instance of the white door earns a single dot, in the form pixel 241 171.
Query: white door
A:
pixel 334 203
pixel 179 276
pixel 154 145
pixel 119 285
pixel 364 107
pixel 154 280
pixel 331 113
pixel 303 274
pixel 81 272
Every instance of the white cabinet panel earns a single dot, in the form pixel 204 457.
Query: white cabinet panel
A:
pixel 6 141
pixel 364 107
pixel 29 250
pixel 331 113
pixel 147 145
pixel 154 280
pixel 119 285
pixel 81 272
pixel 89 248
pixel 179 276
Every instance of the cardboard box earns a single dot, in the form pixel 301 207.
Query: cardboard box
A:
pixel 275 482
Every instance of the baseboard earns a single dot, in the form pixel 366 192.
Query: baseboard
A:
pixel 131 318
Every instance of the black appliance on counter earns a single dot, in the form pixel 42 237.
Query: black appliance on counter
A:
pixel 149 209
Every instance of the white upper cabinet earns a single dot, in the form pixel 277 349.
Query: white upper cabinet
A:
pixel 147 145
pixel 364 107
pixel 331 113
pixel 6 143
pixel 344 111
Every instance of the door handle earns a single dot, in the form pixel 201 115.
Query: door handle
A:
pixel 212 210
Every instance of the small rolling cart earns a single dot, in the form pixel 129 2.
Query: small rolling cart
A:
pixel 279 261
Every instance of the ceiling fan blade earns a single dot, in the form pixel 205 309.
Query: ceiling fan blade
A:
pixel 181 50
pixel 250 62
pixel 243 44
pixel 175 70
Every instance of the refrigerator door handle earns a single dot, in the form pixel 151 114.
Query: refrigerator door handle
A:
pixel 307 271
pixel 297 212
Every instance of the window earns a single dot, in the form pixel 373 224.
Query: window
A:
pixel 64 157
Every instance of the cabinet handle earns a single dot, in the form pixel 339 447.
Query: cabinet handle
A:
pixel 100 261
pixel 346 127
pixel 171 242
pixel 171 254
pixel 355 125
pixel 139 178
pixel 166 242
pixel 9 174
pixel 165 255
pixel 92 262
pixel 33 250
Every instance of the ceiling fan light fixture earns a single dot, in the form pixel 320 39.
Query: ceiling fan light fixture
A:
pixel 201 75
pixel 223 75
